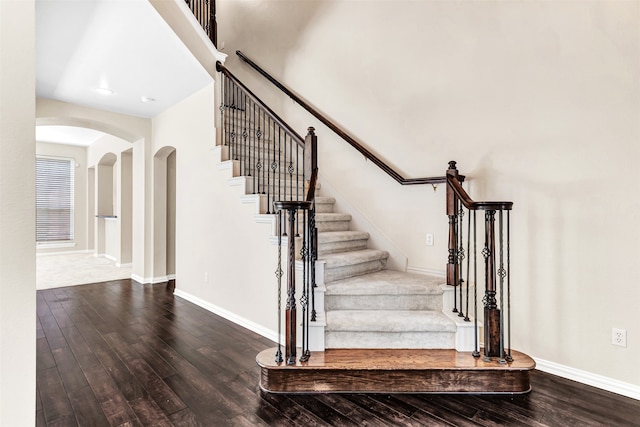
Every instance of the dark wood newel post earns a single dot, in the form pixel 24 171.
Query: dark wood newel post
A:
pixel 452 213
pixel 491 310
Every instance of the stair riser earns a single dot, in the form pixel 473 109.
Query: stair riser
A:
pixel 337 247
pixel 342 272
pixel 416 340
pixel 283 191
pixel 324 207
pixel 383 302
pixel 332 225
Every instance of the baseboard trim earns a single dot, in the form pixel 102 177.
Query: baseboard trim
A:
pixel 152 280
pixel 584 377
pixel 232 317
pixel 84 251
pixel 126 265
pixel 110 257
pixel 427 271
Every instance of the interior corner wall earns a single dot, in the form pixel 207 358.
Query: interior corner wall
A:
pixel 222 257
pixel 17 214
pixel 539 102
pixel 80 220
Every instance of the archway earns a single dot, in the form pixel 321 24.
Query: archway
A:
pixel 164 212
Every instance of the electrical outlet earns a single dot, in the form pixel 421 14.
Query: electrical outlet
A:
pixel 429 239
pixel 619 337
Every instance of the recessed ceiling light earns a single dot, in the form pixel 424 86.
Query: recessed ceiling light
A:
pixel 147 99
pixel 104 91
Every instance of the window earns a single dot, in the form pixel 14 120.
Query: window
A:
pixel 54 199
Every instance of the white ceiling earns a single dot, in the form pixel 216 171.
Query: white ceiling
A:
pixel 120 44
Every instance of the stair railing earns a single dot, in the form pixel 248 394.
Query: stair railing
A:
pixel 282 167
pixel 497 264
pixel 205 13
pixel 457 198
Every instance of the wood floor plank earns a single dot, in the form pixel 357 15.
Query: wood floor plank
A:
pixel 150 413
pixel 391 416
pixel 205 410
pixel 322 411
pixel 124 354
pixel 185 418
pixel 55 402
pixel 44 357
pixel 349 409
pixel 87 409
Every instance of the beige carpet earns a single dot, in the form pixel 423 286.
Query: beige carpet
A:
pixel 54 271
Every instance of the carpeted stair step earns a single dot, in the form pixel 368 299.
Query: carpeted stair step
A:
pixel 330 242
pixel 385 290
pixel 354 263
pixel 332 221
pixel 389 329
pixel 324 204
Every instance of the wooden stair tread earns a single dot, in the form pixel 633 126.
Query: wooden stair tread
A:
pixel 395 371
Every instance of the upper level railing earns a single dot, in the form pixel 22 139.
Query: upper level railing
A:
pixel 205 13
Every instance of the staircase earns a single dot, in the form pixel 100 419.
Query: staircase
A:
pixel 363 328
pixel 384 331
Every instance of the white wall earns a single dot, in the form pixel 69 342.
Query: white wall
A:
pixel 79 155
pixel 216 234
pixel 539 102
pixel 17 219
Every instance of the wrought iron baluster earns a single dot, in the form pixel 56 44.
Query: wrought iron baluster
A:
pixel 460 253
pixel 453 237
pixel 501 274
pixel 313 233
pixel 509 357
pixel 280 162
pixel 267 162
pixel 476 351
pixel 304 298
pixel 245 135
pixel 256 189
pixel 234 134
pixel 466 319
pixel 263 163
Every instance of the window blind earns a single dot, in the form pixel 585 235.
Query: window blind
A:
pixel 54 199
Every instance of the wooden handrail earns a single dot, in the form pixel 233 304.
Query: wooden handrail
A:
pixel 363 150
pixel 469 203
pixel 288 129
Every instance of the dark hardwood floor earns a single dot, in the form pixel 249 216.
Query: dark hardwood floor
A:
pixel 123 354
